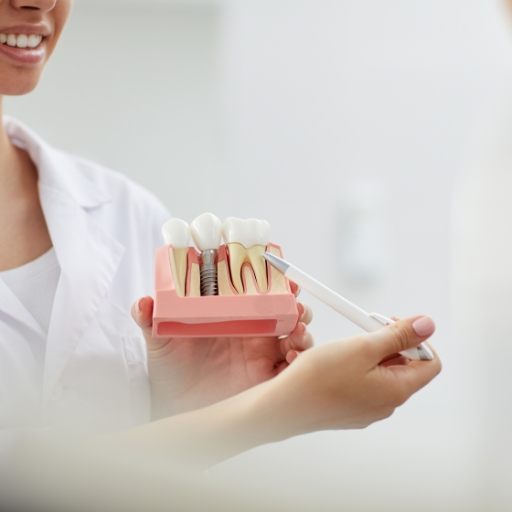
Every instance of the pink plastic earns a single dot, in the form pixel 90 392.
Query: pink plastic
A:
pixel 265 314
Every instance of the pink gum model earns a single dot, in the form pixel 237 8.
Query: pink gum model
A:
pixel 264 314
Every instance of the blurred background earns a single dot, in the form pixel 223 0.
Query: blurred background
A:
pixel 374 136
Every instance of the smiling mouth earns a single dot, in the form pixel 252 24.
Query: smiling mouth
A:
pixel 22 41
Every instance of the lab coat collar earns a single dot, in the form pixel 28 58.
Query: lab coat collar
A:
pixel 88 256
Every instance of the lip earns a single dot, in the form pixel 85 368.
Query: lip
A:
pixel 24 56
pixel 39 29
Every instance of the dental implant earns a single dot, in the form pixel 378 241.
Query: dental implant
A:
pixel 207 234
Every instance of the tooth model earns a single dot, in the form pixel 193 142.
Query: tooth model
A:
pixel 176 233
pixel 207 233
pixel 247 241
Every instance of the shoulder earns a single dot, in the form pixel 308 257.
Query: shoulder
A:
pixel 121 190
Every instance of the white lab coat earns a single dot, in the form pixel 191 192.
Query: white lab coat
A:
pixel 104 229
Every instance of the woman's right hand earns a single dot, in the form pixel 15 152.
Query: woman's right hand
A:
pixel 351 383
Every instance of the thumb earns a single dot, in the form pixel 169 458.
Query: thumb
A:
pixel 142 313
pixel 400 336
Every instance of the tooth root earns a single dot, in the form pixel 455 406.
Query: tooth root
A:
pixel 224 279
pixel 237 257
pixel 178 259
pixel 259 266
pixel 278 282
pixel 249 281
pixel 194 281
pixel 223 276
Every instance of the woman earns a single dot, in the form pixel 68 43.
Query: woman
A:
pixel 77 244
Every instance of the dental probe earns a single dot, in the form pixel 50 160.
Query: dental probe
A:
pixel 369 322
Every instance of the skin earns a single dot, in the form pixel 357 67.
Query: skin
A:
pixel 340 385
pixel 25 236
pixel 247 391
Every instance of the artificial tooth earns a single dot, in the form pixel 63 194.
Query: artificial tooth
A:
pixel 235 236
pixel 261 237
pixel 249 282
pixel 176 233
pixel 278 282
pixel 207 233
pixel 247 241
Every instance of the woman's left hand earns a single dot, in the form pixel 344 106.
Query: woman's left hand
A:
pixel 189 373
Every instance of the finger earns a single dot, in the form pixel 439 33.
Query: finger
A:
pixel 394 360
pixel 291 356
pixel 416 374
pixel 281 366
pixel 295 288
pixel 142 313
pixel 300 339
pixel 285 344
pixel 307 314
pixel 399 336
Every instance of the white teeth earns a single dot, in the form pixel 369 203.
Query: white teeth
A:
pixel 247 240
pixel 247 232
pixel 236 231
pixel 21 40
pixel 207 231
pixel 34 40
pixel 176 232
pixel 260 230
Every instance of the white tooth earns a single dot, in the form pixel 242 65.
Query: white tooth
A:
pixel 260 232
pixel 207 231
pixel 207 234
pixel 235 235
pixel 237 231
pixel 11 40
pixel 34 40
pixel 22 41
pixel 247 240
pixel 176 233
pixel 3 38
pixel 260 240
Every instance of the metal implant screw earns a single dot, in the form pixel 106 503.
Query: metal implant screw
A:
pixel 209 280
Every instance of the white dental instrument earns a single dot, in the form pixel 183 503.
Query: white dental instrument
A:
pixel 369 322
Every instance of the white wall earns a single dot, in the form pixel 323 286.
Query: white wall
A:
pixel 288 110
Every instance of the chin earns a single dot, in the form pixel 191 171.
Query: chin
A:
pixel 18 88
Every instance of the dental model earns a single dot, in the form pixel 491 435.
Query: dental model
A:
pixel 207 234
pixel 225 290
pixel 247 241
pixel 176 233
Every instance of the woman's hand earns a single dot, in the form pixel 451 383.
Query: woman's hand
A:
pixel 351 383
pixel 187 373
pixel 347 384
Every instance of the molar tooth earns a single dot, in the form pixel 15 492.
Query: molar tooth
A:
pixel 234 233
pixel 247 241
pixel 3 38
pixel 176 232
pixel 261 237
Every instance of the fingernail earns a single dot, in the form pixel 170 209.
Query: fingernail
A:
pixel 424 326
pixel 139 305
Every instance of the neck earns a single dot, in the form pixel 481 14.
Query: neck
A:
pixel 15 168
